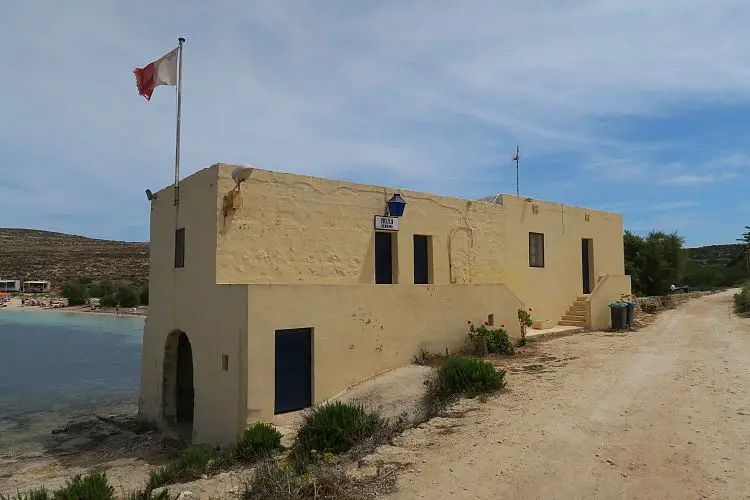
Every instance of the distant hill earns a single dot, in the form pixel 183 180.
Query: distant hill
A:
pixel 28 254
pixel 715 253
pixel 715 266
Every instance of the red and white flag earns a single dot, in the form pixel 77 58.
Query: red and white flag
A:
pixel 163 71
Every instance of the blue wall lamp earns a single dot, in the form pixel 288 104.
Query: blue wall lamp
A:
pixel 396 205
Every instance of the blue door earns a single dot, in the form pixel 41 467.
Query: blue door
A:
pixel 293 370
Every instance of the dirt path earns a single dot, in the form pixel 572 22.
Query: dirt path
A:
pixel 660 413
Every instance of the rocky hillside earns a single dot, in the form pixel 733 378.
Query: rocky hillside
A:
pixel 28 254
pixel 715 253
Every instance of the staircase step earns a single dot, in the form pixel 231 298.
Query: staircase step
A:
pixel 578 308
pixel 564 322
pixel 574 317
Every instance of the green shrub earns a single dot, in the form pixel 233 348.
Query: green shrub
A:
pixel 496 340
pixel 459 376
pixel 258 440
pixel 108 300
pixel 144 295
pixel 75 293
pixel 126 296
pixel 37 494
pixel 274 480
pixel 742 300
pixel 469 376
pixel 92 486
pixel 336 428
pixel 149 495
pixel 102 288
pixel 189 464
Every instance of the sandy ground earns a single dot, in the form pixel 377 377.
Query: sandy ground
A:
pixel 660 413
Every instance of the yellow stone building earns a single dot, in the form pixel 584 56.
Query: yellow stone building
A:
pixel 280 291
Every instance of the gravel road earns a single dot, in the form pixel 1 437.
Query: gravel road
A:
pixel 660 413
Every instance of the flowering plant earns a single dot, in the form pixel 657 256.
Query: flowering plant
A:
pixel 525 321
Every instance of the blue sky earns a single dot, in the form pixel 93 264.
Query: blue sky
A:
pixel 633 106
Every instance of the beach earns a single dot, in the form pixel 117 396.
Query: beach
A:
pixel 15 304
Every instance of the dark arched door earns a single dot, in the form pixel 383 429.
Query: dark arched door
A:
pixel 185 390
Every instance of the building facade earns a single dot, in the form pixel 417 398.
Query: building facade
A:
pixel 10 285
pixel 281 291
pixel 37 286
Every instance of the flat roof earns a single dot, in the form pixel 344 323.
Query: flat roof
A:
pixel 496 199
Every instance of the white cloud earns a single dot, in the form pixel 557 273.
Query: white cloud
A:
pixel 719 169
pixel 697 180
pixel 730 161
pixel 674 205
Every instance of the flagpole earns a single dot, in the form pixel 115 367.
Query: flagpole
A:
pixel 179 113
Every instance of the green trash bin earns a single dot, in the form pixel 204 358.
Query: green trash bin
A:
pixel 630 318
pixel 619 315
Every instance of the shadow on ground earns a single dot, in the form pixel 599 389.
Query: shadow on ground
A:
pixel 95 440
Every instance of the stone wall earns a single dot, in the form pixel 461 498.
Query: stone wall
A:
pixel 652 305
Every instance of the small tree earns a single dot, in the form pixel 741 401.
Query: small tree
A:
pixel 654 262
pixel 109 300
pixel 76 293
pixel 102 288
pixel 126 296
pixel 745 240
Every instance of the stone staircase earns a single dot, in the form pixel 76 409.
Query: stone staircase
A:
pixel 576 315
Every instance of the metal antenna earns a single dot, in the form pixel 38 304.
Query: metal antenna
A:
pixel 516 158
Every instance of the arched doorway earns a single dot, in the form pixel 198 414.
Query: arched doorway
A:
pixel 179 391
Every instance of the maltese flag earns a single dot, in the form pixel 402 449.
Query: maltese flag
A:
pixel 163 71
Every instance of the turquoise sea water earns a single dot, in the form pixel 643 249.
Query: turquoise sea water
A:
pixel 55 366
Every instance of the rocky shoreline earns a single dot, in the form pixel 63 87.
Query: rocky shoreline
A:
pixel 123 444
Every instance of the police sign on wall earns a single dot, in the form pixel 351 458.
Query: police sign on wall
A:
pixel 386 223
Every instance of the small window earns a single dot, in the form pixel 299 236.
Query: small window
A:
pixel 422 259
pixel 536 250
pixel 179 247
pixel 225 362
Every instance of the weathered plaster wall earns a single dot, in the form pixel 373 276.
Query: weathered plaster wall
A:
pixel 362 330
pixel 297 229
pixel 188 299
